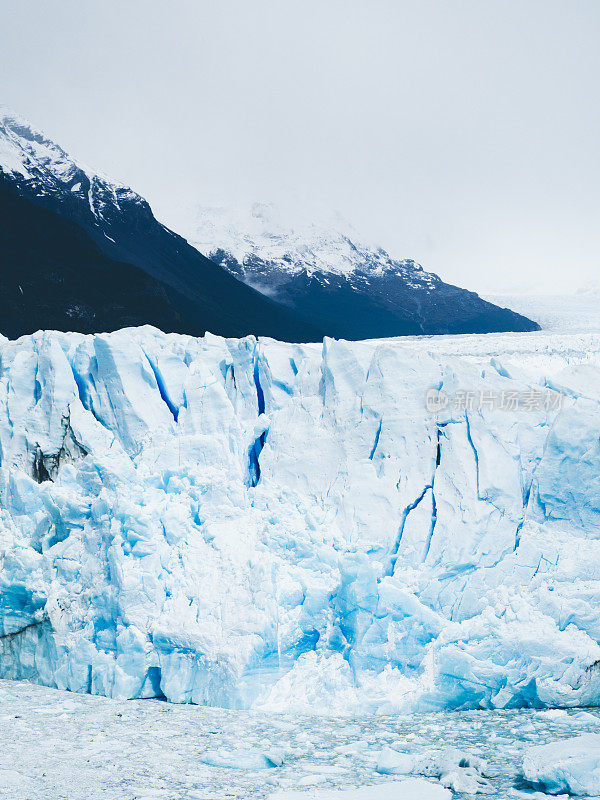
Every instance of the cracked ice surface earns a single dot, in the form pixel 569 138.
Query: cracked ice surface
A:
pixel 83 747
pixel 286 527
pixel 571 766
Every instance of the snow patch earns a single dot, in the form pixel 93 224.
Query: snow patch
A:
pixel 411 789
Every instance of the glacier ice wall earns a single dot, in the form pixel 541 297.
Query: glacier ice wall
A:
pixel 245 523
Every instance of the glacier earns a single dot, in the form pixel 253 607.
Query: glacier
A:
pixel 250 524
pixel 568 765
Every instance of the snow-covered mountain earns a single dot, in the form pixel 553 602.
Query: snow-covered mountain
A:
pixel 319 268
pixel 291 239
pixel 81 252
pixel 245 523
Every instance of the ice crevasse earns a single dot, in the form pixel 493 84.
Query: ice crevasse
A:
pixel 247 523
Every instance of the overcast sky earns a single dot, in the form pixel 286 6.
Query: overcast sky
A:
pixel 462 133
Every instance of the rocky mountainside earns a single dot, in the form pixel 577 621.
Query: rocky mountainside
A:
pixel 321 270
pixel 81 252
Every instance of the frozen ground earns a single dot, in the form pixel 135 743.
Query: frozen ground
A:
pixel 65 746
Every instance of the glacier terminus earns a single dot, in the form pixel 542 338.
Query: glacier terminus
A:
pixel 255 525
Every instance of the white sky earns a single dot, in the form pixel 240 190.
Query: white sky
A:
pixel 462 133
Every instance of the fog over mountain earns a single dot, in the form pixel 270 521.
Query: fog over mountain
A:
pixel 82 253
pixel 461 135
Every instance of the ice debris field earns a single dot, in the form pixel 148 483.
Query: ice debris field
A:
pixel 288 528
pixel 61 746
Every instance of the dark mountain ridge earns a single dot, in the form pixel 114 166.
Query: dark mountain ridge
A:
pixel 81 252
pixel 323 272
pixel 196 295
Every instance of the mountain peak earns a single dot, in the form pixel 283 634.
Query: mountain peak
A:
pixel 288 237
pixel 27 151
pixel 315 274
pixel 24 149
pixel 82 252
pixel 317 265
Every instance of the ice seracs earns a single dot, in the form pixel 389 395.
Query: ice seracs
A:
pixel 247 523
pixel 567 765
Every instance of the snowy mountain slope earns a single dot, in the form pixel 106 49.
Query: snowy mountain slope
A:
pixel 321 270
pixel 191 294
pixel 311 243
pixel 245 523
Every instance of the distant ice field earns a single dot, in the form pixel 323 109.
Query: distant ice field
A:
pixel 579 311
